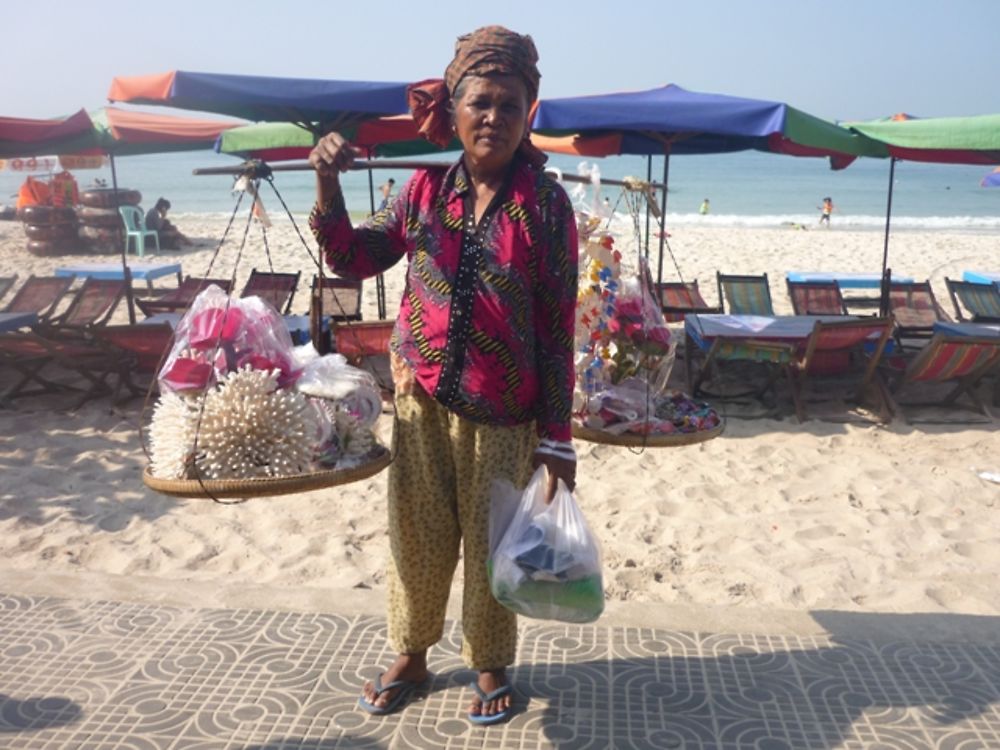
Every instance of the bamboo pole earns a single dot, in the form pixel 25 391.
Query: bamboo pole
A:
pixel 399 164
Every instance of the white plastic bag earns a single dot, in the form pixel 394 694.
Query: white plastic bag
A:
pixel 544 560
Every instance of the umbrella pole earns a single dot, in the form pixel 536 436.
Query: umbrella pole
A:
pixel 888 214
pixel 122 239
pixel 663 213
pixel 380 279
pixel 649 179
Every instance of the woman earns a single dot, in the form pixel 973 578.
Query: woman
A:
pixel 482 349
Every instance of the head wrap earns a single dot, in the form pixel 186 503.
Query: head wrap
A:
pixel 491 49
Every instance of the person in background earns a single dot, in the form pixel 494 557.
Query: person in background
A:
pixel 704 207
pixel 482 350
pixel 170 236
pixel 825 210
pixel 386 192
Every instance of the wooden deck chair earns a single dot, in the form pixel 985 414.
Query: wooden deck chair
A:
pixel 92 305
pixel 962 360
pixel 40 295
pixel 982 301
pixel 6 282
pixel 677 298
pixel 29 354
pixel 146 345
pixel 276 288
pixel 775 357
pixel 341 298
pixel 914 309
pixel 180 299
pixel 745 295
pixel 816 298
pixel 366 345
pixel 834 348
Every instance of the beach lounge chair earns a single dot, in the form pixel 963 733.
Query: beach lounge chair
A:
pixel 366 345
pixel 745 295
pixel 981 301
pixel 39 295
pixel 341 298
pixel 180 299
pixel 837 349
pixel 914 309
pixel 962 360
pixel 92 305
pixel 146 346
pixel 816 298
pixel 6 282
pixel 677 298
pixel 135 230
pixel 276 288
pixel 744 355
pixel 29 354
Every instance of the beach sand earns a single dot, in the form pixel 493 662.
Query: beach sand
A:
pixel 774 514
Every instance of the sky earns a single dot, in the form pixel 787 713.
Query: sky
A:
pixel 838 59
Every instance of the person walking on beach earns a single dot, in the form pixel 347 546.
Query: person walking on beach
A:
pixel 482 349
pixel 704 208
pixel 825 210
pixel 386 190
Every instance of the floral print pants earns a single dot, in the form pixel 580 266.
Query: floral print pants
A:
pixel 439 495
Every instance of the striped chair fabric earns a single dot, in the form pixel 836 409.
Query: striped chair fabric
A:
pixel 677 298
pixel 745 295
pixel 816 298
pixel 981 300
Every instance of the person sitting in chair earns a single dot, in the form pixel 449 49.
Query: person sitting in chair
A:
pixel 170 236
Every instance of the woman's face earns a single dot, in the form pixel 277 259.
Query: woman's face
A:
pixel 491 118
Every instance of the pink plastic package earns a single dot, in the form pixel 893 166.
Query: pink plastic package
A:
pixel 220 334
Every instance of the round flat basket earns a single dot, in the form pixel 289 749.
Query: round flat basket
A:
pixel 631 440
pixel 267 487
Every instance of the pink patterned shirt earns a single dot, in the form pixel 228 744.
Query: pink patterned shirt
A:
pixel 487 315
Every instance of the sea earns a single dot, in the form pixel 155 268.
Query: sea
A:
pixel 749 189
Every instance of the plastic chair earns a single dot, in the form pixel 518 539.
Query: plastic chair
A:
pixel 135 229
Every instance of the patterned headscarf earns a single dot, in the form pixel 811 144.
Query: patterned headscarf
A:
pixel 491 49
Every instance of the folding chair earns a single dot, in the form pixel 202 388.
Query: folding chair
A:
pixel 276 288
pixel 775 357
pixel 145 345
pixel 366 345
pixel 40 295
pixel 180 299
pixel 29 354
pixel 830 349
pixel 92 305
pixel 982 301
pixel 745 295
pixel 341 298
pixel 963 360
pixel 6 282
pixel 677 298
pixel 915 309
pixel 816 298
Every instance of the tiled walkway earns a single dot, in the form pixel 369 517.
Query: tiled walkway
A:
pixel 120 676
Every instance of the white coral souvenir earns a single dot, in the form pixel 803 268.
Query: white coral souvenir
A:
pixel 171 435
pixel 251 428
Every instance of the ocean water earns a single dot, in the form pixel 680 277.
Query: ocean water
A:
pixel 745 189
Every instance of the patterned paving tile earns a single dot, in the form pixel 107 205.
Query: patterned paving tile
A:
pixel 119 676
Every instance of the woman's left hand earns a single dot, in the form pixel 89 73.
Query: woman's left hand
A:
pixel 559 468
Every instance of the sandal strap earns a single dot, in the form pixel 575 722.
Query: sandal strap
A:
pixel 487 697
pixel 380 688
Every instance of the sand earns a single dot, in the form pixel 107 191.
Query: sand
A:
pixel 774 514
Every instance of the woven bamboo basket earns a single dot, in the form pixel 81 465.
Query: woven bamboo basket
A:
pixel 269 486
pixel 631 440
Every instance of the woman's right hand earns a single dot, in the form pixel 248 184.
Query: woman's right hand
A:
pixel 331 155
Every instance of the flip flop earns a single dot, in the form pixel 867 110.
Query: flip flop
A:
pixel 403 689
pixel 485 698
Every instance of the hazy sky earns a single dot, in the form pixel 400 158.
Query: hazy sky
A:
pixel 839 59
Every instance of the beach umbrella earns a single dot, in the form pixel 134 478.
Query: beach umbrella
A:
pixel 940 140
pixel 335 104
pixel 672 120
pixel 992 179
pixel 21 137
